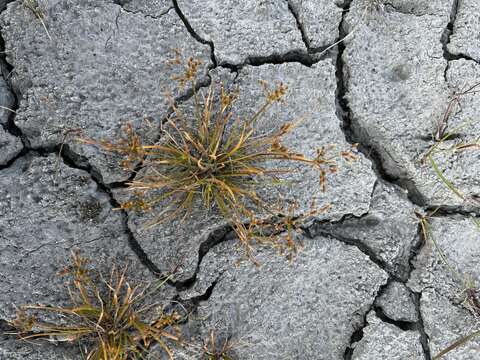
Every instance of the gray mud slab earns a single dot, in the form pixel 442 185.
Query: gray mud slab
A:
pixel 245 30
pixel 175 245
pixel 465 38
pixel 319 20
pixel 386 341
pixel 394 74
pixel 95 74
pixel 389 230
pixel 42 223
pixel 7 100
pixel 446 322
pixel 414 7
pixel 10 146
pixel 11 349
pixel 397 303
pixel 150 8
pixel 445 316
pixel 458 239
pixel 460 166
pixel 306 308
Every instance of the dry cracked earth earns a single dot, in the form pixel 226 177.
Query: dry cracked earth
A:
pixel 367 284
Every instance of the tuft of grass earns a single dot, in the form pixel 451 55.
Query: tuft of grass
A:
pixel 219 160
pixel 39 13
pixel 107 317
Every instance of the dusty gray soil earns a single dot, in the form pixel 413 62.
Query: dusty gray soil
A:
pixel 366 284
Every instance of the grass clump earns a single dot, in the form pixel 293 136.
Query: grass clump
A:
pixel 107 318
pixel 216 159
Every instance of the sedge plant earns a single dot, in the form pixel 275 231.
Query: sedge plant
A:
pixel 212 157
pixel 107 318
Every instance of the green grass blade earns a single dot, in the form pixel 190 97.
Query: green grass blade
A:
pixel 442 177
pixel 428 234
pixel 456 344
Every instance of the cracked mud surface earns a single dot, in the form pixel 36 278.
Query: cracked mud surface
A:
pixel 366 284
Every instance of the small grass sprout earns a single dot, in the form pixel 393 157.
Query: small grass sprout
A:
pixel 39 13
pixel 368 7
pixel 454 102
pixel 106 317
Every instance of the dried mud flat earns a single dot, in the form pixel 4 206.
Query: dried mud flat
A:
pixel 367 283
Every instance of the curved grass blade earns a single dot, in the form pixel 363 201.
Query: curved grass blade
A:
pixel 456 344
pixel 442 177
